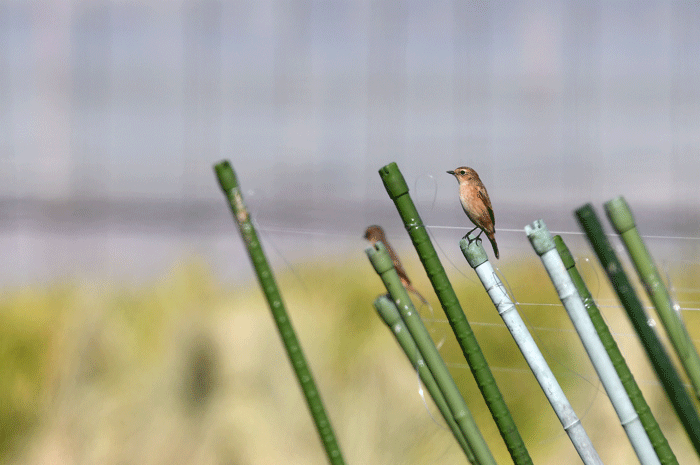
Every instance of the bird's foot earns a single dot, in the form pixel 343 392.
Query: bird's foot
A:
pixel 472 239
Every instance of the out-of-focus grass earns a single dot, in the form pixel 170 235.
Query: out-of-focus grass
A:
pixel 185 369
pixel 27 319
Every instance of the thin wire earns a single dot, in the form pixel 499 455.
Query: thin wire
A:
pixel 432 178
pixel 318 232
pixel 295 273
pixel 421 393
pixel 543 346
pixel 434 322
pixel 305 232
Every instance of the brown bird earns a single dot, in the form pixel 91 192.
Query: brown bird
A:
pixel 375 233
pixel 476 203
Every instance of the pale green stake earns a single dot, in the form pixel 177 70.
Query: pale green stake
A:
pixel 665 372
pixel 622 220
pixel 543 244
pixel 658 440
pixel 384 267
pixel 476 256
pixel 390 315
pixel 229 184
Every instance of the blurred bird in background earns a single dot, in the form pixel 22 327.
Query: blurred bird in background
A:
pixel 375 233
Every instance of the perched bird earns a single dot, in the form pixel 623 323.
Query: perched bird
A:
pixel 375 233
pixel 476 203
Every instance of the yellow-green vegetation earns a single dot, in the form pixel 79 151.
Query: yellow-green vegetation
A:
pixel 187 369
pixel 27 319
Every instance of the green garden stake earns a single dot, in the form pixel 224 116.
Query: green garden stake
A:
pixel 397 189
pixel 543 244
pixel 390 315
pixel 476 256
pixel 658 440
pixel 666 374
pixel 229 184
pixel 622 220
pixel 384 267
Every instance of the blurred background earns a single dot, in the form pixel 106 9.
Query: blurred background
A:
pixel 134 328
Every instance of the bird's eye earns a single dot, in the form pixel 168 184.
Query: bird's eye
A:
pixel 462 172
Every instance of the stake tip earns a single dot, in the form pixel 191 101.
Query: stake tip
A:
pixel 393 180
pixel 540 237
pixel 564 252
pixel 473 251
pixel 585 210
pixel 620 214
pixel 227 178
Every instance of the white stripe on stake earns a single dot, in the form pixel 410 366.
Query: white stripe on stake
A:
pixel 476 256
pixel 542 242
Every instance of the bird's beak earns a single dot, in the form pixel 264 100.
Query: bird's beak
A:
pixel 451 172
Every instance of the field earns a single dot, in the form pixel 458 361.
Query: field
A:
pixel 186 369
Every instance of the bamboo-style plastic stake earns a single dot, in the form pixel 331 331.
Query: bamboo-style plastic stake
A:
pixel 476 256
pixel 229 184
pixel 397 189
pixel 658 440
pixel 390 315
pixel 622 220
pixel 384 267
pixel 677 395
pixel 542 242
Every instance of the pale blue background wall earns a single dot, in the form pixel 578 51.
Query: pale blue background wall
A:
pixel 112 113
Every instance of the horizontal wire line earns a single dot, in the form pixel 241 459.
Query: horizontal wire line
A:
pixel 571 233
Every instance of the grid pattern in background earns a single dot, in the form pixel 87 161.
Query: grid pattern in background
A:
pixel 112 114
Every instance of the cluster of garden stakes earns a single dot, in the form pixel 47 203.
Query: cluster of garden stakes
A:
pixel 397 310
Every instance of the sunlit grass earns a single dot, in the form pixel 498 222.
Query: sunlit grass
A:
pixel 185 369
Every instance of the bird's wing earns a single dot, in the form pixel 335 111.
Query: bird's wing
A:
pixel 487 202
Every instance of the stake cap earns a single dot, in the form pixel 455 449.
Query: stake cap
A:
pixel 473 251
pixel 387 311
pixel 227 178
pixel 393 180
pixel 540 237
pixel 619 214
pixel 380 258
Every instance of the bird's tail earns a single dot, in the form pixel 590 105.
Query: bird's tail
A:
pixel 492 239
pixel 410 288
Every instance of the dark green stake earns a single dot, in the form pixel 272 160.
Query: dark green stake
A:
pixel 229 184
pixel 677 395
pixel 622 220
pixel 656 436
pixel 397 189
